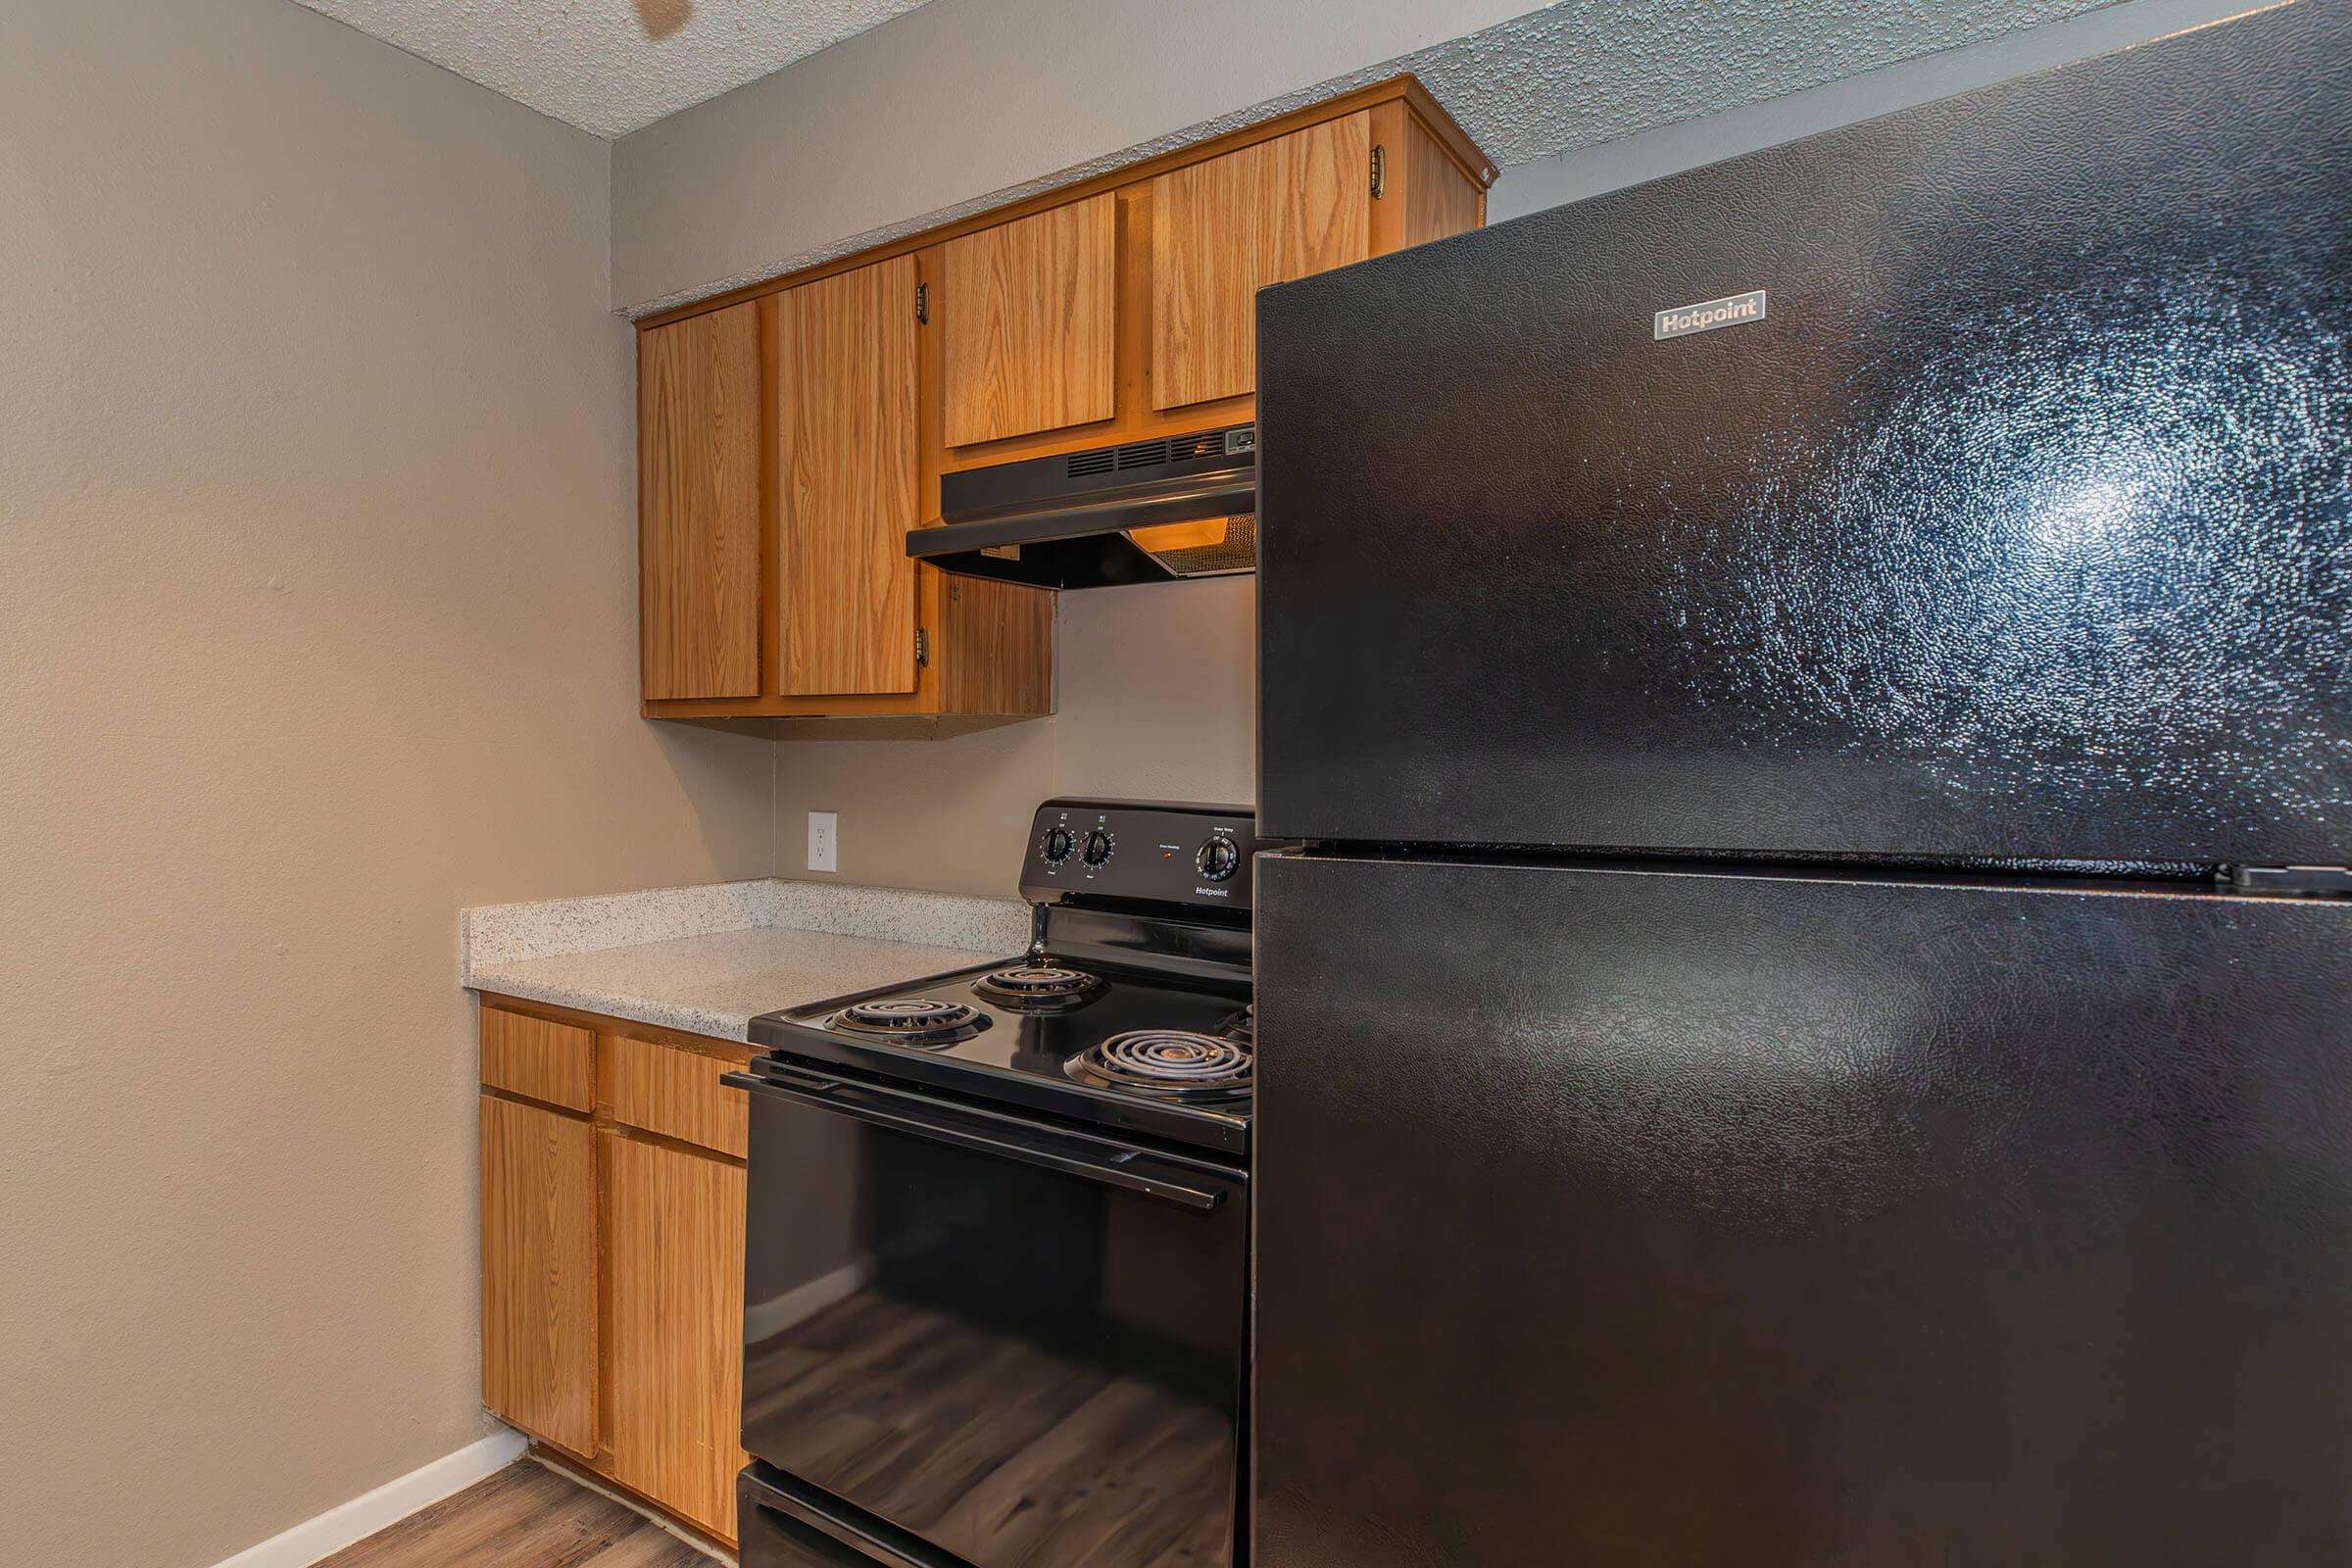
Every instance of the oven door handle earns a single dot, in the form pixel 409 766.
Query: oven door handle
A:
pixel 1033 1148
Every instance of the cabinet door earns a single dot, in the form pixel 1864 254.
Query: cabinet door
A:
pixel 849 469
pixel 539 1272
pixel 675 1326
pixel 1030 311
pixel 697 437
pixel 538 1058
pixel 1225 228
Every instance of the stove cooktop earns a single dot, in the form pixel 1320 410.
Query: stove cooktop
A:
pixel 1131 1010
pixel 1133 1048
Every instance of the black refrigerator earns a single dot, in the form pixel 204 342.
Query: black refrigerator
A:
pixel 1812 1023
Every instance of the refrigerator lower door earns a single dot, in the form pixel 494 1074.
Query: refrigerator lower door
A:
pixel 1633 1216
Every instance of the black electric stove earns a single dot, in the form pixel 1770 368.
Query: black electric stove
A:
pixel 1130 1010
pixel 996 1271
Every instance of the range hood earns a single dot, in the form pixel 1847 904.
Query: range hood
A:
pixel 1147 512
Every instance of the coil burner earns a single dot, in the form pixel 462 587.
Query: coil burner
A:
pixel 1040 986
pixel 916 1021
pixel 1171 1064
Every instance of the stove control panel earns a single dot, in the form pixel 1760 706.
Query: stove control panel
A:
pixel 1141 851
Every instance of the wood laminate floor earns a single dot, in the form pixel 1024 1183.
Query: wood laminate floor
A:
pixel 525 1516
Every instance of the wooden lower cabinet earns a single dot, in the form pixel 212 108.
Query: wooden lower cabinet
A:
pixel 539 1276
pixel 674 1325
pixel 612 1257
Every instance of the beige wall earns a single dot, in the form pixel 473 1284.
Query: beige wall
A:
pixel 317 583
pixel 1158 701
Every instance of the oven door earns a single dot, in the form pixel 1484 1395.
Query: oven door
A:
pixel 1020 1346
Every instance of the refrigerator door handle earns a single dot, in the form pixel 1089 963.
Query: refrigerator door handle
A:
pixel 1104 1163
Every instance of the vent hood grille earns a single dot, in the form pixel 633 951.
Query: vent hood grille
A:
pixel 1143 511
pixel 1234 548
pixel 1146 454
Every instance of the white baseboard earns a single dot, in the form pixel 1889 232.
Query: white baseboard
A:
pixel 363 1515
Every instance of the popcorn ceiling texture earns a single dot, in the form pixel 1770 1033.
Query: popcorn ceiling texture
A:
pixel 611 66
pixel 1592 70
pixel 1572 74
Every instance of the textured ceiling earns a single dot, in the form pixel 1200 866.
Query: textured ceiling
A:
pixel 1589 71
pixel 611 66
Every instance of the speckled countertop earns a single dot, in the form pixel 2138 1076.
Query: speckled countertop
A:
pixel 709 960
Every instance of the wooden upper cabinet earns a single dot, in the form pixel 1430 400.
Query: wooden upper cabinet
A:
pixel 849 469
pixel 793 433
pixel 1440 199
pixel 1030 312
pixel 699 439
pixel 1224 229
pixel 539 1271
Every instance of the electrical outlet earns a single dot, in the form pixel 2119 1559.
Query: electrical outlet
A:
pixel 823 828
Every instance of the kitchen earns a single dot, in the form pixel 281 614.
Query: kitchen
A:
pixel 509 507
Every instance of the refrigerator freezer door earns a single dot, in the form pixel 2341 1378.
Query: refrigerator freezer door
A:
pixel 1636 1218
pixel 2016 523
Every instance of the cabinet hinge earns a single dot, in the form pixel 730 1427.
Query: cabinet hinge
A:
pixel 922 304
pixel 2300 881
pixel 1380 172
pixel 922 647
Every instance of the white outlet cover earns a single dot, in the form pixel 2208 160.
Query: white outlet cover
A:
pixel 824 830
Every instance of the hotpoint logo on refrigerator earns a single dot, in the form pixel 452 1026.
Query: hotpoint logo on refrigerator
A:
pixel 1733 309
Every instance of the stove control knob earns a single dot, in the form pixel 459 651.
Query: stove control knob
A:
pixel 1058 846
pixel 1219 859
pixel 1098 848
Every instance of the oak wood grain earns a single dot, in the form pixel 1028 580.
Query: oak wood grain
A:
pixel 1440 199
pixel 1030 312
pixel 848 472
pixel 1224 229
pixel 1135 418
pixel 699 504
pixel 539 1271
pixel 676 1093
pixel 539 1059
pixel 674 1233
pixel 996 648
